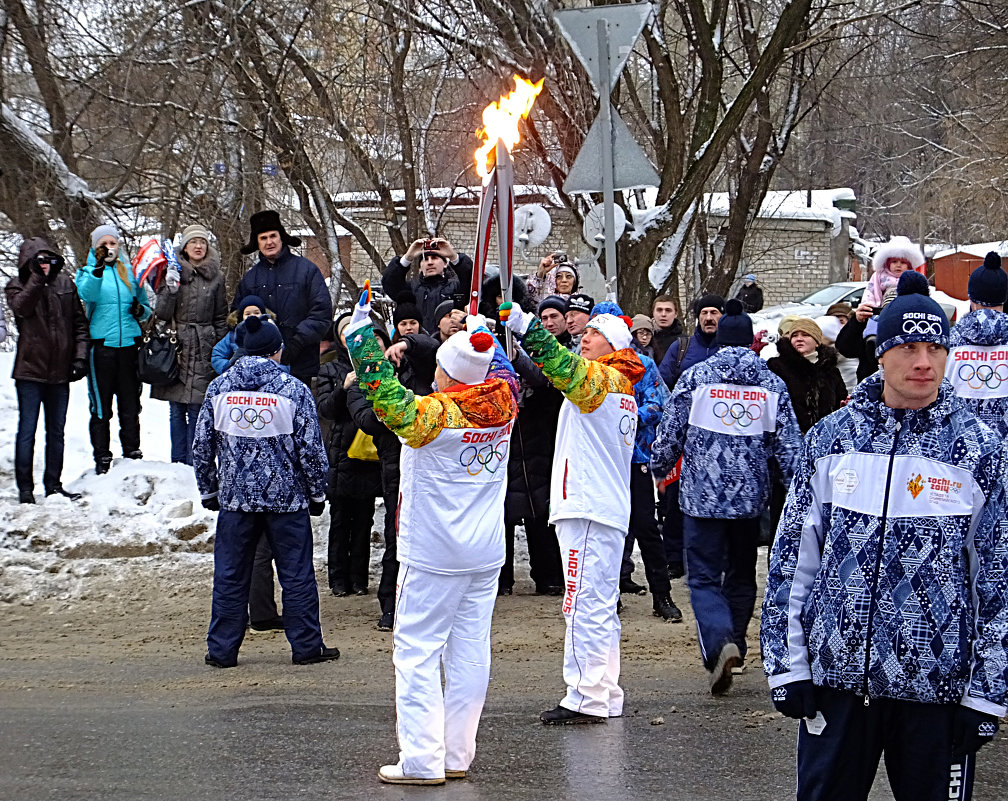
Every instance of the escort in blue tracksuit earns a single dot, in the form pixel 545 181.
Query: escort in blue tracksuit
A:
pixel 977 365
pixel 885 609
pixel 729 416
pixel 260 460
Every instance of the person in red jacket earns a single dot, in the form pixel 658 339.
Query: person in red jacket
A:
pixel 52 351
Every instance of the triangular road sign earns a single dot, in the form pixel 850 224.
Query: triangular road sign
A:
pixel 625 23
pixel 631 167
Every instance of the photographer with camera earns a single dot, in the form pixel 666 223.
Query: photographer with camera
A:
pixel 52 351
pixel 556 275
pixel 435 282
pixel 115 304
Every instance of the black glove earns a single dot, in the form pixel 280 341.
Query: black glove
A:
pixel 137 310
pixel 212 503
pixel 100 254
pixel 296 344
pixel 78 369
pixel 315 508
pixel 971 730
pixel 795 700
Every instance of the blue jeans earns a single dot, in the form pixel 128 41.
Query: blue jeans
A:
pixel 182 429
pixel 54 398
pixel 721 575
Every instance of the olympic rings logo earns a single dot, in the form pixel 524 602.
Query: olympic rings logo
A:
pixel 925 327
pixel 489 457
pixel 983 376
pixel 628 428
pixel 256 419
pixel 737 415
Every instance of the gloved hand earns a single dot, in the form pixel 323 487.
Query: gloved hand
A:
pixel 78 369
pixel 475 322
pixel 100 255
pixel 971 730
pixel 362 311
pixel 296 344
pixel 212 503
pixel 137 310
pixel 514 318
pixel 795 700
pixel 172 278
pixel 315 508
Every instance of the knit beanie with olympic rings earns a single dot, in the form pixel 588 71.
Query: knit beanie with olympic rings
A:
pixel 912 317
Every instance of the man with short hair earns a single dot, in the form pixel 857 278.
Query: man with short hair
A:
pixel 579 306
pixel 451 538
pixel 449 320
pixel 977 366
pixel 885 623
pixel 443 272
pixel 728 418
pixel 589 499
pixel 260 463
pixel 668 326
pixel 708 310
pixel 292 287
pixel 551 311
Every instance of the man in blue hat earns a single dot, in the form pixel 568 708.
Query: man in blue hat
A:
pixel 885 623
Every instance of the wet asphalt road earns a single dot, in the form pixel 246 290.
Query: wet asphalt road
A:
pixel 156 731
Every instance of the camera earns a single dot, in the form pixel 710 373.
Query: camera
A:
pixel 559 258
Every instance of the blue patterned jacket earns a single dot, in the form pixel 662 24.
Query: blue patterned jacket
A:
pixel 887 576
pixel 651 394
pixel 258 443
pixel 979 375
pixel 728 417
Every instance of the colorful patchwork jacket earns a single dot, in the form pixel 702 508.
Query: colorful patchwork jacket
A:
pixel 728 417
pixel 888 574
pixel 595 431
pixel 258 444
pixel 454 470
pixel 977 365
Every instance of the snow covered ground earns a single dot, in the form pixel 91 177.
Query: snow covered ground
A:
pixel 147 510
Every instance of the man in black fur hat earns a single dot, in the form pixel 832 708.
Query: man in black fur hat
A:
pixel 293 287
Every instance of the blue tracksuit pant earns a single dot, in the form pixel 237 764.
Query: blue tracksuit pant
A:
pixel 721 575
pixel 916 740
pixel 290 538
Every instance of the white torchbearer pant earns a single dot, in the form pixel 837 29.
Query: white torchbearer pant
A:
pixel 441 622
pixel 591 554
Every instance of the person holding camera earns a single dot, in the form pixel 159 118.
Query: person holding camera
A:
pixel 556 275
pixel 52 351
pixel 115 305
pixel 260 463
pixel 435 282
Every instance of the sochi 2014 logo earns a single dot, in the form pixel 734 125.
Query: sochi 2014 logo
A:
pixel 737 415
pixel 979 376
pixel 916 485
pixel 488 457
pixel 245 417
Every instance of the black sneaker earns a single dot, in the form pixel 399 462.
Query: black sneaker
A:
pixel 550 589
pixel 26 496
pixel 102 464
pixel 631 587
pixel 505 590
pixel 360 590
pixel 218 663
pixel 386 622
pixel 270 624
pixel 134 454
pixel 58 490
pixel 562 716
pixel 325 655
pixel 665 608
pixel 339 590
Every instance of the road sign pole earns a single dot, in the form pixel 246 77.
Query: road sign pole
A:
pixel 605 90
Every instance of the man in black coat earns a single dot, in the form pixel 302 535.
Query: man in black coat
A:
pixel 443 274
pixel 668 326
pixel 292 288
pixel 52 351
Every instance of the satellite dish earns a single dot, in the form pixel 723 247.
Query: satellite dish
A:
pixel 532 224
pixel 594 225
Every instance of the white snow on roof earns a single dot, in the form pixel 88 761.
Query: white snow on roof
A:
pixel 467 193
pixel 799 204
pixel 979 249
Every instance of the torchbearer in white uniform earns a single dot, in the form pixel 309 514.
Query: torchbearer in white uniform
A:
pixel 589 499
pixel 450 538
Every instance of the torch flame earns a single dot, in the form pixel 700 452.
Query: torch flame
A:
pixel 500 121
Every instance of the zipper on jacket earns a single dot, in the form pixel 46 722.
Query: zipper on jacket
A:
pixel 878 561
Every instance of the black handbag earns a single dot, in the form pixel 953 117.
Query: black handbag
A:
pixel 157 359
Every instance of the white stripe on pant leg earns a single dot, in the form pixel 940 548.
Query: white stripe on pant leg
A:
pixel 592 554
pixel 467 668
pixel 424 612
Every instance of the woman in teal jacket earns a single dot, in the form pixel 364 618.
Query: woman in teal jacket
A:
pixel 114 304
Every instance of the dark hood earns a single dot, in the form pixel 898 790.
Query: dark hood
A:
pixel 30 248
